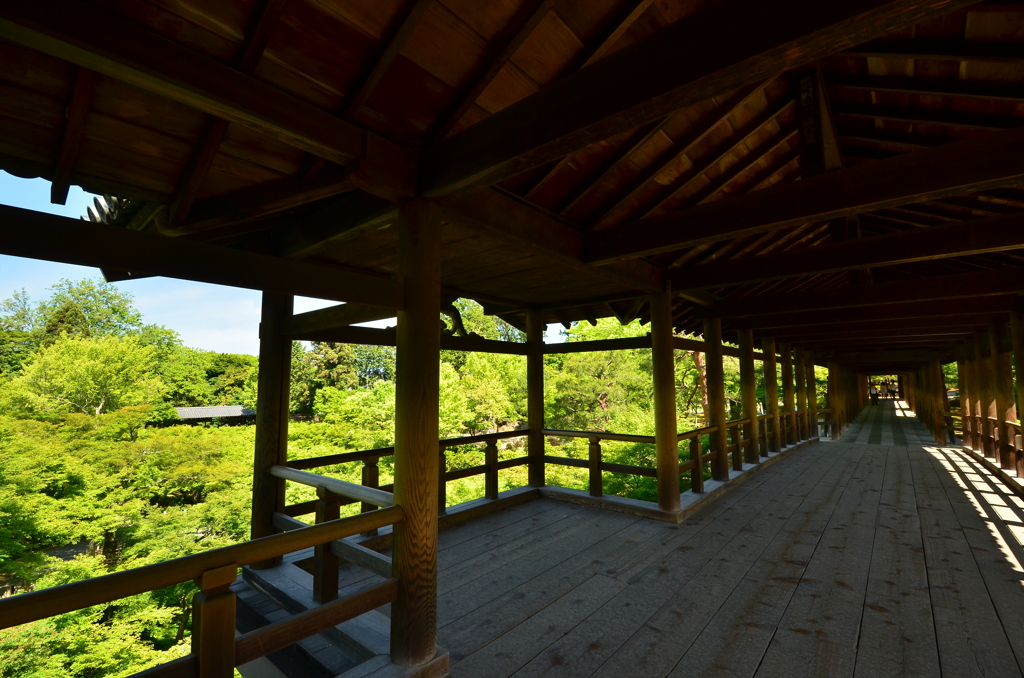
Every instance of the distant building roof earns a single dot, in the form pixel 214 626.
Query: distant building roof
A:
pixel 212 412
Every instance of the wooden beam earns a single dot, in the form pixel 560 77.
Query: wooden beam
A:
pixel 727 46
pixel 925 116
pixel 372 336
pixel 628 15
pixel 71 137
pixel 962 167
pixel 498 55
pixel 907 327
pixel 940 50
pixel 930 309
pixel 624 344
pixel 983 283
pixel 121 49
pixel 506 218
pixel 348 217
pixel 970 89
pixel 993 234
pixel 390 45
pixel 333 317
pixel 24 233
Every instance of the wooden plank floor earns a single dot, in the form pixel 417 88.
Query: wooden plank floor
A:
pixel 839 560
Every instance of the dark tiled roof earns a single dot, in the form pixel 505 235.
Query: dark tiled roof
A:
pixel 218 411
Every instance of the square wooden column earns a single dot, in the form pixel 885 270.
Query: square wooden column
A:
pixel 788 401
pixel 812 396
pixel 834 398
pixel 417 377
pixel 666 426
pixel 535 396
pixel 1002 385
pixel 965 397
pixel 938 400
pixel 715 375
pixel 1017 342
pixel 800 372
pixel 985 406
pixel 272 402
pixel 748 393
pixel 771 391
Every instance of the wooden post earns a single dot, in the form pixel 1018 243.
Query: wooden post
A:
pixel 938 401
pixel 325 563
pixel 812 396
pixel 1017 341
pixel 716 396
pixel 986 406
pixel 788 400
pixel 535 395
pixel 971 354
pixel 371 478
pixel 1002 385
pixel 834 398
pixel 800 372
pixel 748 392
pixel 442 482
pixel 594 458
pixel 272 401
pixel 771 392
pixel 213 623
pixel 414 612
pixel 491 475
pixel 666 426
pixel 697 474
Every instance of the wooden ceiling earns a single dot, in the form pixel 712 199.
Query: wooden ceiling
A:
pixel 768 161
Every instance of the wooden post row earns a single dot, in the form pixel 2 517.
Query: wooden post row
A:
pixel 716 397
pixel 748 393
pixel 771 392
pixel 788 400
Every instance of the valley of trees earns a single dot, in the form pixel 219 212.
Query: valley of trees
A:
pixel 98 475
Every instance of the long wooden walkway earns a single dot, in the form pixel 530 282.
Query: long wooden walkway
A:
pixel 839 560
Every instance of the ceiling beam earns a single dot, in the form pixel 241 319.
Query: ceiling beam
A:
pixel 24 233
pixel 724 47
pixel 121 49
pixel 71 136
pixel 979 236
pixel 905 114
pixel 971 89
pixel 391 44
pixel 983 283
pixel 929 310
pixel 498 55
pixel 951 326
pixel 939 50
pixel 991 161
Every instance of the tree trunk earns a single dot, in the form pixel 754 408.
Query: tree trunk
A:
pixel 702 382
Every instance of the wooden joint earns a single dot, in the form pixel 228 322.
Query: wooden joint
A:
pixel 217 580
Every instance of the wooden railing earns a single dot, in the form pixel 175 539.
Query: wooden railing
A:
pixel 216 651
pixel 983 434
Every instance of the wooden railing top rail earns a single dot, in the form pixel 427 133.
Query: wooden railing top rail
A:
pixel 363 455
pixel 36 605
pixel 603 435
pixel 344 488
pixel 696 432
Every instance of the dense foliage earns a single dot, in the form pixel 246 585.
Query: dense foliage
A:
pixel 96 476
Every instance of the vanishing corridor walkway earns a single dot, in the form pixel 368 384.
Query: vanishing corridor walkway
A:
pixel 890 422
pixel 838 560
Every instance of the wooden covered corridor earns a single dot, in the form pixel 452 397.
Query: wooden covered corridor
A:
pixel 794 185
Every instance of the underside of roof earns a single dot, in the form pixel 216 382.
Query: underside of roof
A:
pixel 846 176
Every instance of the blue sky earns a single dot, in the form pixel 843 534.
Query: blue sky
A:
pixel 211 317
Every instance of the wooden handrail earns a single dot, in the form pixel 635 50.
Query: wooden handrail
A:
pixel 484 437
pixel 344 488
pixel 36 605
pixel 697 432
pixel 601 435
pixel 611 467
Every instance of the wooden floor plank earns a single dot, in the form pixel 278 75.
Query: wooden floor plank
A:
pixel 897 636
pixel 970 637
pixel 818 633
pixel 612 634
pixel 734 641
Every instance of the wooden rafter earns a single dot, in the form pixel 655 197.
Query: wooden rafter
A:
pixel 71 137
pixel 954 169
pixel 921 310
pixel 996 91
pixel 750 43
pixel 939 50
pixel 925 116
pixel 498 55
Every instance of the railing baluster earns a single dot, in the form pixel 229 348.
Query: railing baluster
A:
pixel 442 481
pixel 491 475
pixel 213 615
pixel 371 478
pixel 325 563
pixel 596 479
pixel 697 474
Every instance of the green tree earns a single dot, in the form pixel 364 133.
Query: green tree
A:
pixel 91 375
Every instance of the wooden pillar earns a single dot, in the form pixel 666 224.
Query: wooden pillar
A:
pixel 666 426
pixel 417 382
pixel 964 388
pixel 812 396
pixel 272 403
pixel 986 406
pixel 967 405
pixel 1017 343
pixel 834 398
pixel 535 395
pixel 800 372
pixel 1002 385
pixel 938 400
pixel 748 393
pixel 213 623
pixel 788 401
pixel 771 391
pixel 716 396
